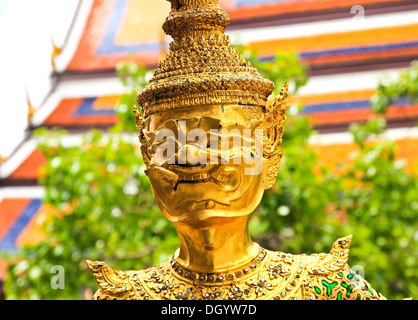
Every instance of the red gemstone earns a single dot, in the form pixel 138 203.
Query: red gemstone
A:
pixel 230 276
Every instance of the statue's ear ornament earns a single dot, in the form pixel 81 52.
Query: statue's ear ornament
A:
pixel 140 125
pixel 274 121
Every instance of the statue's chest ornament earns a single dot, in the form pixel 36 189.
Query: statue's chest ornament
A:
pixel 271 275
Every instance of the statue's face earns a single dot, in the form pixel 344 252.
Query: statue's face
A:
pixel 206 162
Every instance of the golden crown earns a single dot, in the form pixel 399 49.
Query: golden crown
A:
pixel 201 68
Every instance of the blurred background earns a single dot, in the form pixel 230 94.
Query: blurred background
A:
pixel 72 183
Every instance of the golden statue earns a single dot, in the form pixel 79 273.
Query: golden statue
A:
pixel 204 88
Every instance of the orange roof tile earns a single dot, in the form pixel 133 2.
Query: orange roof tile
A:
pixel 84 112
pixel 10 210
pixel 29 168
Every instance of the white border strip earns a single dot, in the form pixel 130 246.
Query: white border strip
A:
pixel 74 35
pixel 37 192
pixel 342 82
pixel 347 138
pixel 245 36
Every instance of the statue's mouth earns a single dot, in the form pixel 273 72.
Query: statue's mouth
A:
pixel 199 173
pixel 197 180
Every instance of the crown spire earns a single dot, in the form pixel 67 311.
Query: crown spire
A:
pixel 199 17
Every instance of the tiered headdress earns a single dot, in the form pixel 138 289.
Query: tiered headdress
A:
pixel 202 68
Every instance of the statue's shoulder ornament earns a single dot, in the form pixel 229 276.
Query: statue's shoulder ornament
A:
pixel 127 285
pixel 326 264
pixel 331 278
pixel 113 285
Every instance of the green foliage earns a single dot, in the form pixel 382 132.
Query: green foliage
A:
pixel 107 212
pixel 382 208
pixel 374 199
pixel 363 131
pixel 390 90
pixel 286 66
pixel 292 214
pixel 134 78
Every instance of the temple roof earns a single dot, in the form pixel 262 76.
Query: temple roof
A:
pixel 121 29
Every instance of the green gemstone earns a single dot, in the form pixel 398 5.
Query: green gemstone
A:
pixel 358 297
pixel 340 274
pixel 339 296
pixel 317 289
pixel 329 286
pixel 348 287
pixel 352 275
pixel 368 289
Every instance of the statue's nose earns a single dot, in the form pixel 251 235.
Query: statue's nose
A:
pixel 191 155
